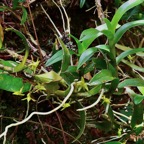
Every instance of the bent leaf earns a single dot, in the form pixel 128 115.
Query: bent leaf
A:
pixel 21 66
pixel 66 56
pixel 122 10
pixel 126 27
pixel 128 52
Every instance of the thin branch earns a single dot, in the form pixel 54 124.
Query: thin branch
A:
pixel 60 35
pixel 63 21
pixel 67 18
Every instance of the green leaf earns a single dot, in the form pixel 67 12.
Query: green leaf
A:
pixel 66 56
pixel 131 82
pixel 141 89
pixel 108 34
pixel 102 77
pixel 137 117
pixel 82 2
pixel 138 98
pixel 86 55
pixel 103 47
pixel 55 58
pixel 48 77
pixel 128 52
pixel 138 130
pixel 122 10
pixel 82 122
pixel 15 3
pixel 133 66
pixel 81 48
pixel 104 125
pixel 113 142
pixel 1 36
pixel 69 77
pixel 95 90
pixel 3 8
pixel 108 23
pixel 21 66
pixel 13 84
pixel 88 36
pixel 111 115
pixel 24 16
pixel 126 27
pixel 8 63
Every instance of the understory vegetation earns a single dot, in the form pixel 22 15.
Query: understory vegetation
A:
pixel 71 71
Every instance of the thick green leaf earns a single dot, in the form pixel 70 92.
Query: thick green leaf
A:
pixel 21 66
pixel 86 55
pixel 122 10
pixel 102 77
pixel 131 82
pixel 126 27
pixel 128 52
pixel 48 77
pixel 82 122
pixel 137 117
pixel 55 58
pixel 66 56
pixel 82 2
pixel 13 84
pixel 24 16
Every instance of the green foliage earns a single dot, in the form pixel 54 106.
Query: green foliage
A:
pixel 89 75
pixel 82 2
pixel 13 84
